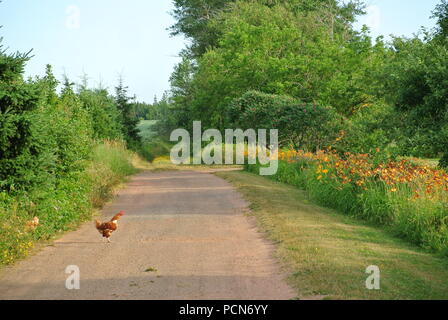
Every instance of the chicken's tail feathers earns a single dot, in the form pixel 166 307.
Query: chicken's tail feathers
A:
pixel 97 224
pixel 118 216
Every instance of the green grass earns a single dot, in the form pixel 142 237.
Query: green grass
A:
pixel 111 163
pixel 155 149
pixel 327 253
pixel 420 221
pixel 62 207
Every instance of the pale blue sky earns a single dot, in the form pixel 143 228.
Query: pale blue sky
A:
pixel 107 37
pixel 398 17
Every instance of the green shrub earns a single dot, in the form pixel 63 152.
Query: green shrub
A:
pixel 20 154
pixel 370 128
pixel 416 87
pixel 103 112
pixel 50 165
pixel 301 125
pixel 63 206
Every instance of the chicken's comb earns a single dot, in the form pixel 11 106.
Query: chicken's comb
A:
pixel 121 213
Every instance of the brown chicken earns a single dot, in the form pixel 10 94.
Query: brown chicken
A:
pixel 107 228
pixel 33 224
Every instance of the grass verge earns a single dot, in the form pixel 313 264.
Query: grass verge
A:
pixel 327 253
pixel 63 206
pixel 409 201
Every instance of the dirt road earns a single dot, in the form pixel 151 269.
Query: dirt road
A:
pixel 185 236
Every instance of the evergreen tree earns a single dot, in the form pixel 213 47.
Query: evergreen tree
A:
pixel 129 122
pixel 17 100
pixel 441 14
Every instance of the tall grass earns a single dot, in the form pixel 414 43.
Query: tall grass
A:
pixel 154 149
pixel 409 200
pixel 111 162
pixel 63 206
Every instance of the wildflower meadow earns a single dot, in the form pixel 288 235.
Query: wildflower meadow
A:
pixel 410 200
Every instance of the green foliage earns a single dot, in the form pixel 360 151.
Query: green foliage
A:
pixel 301 125
pixel 373 127
pixel 51 165
pixel 39 141
pixel 63 206
pixel 68 130
pixel 417 87
pixel 129 122
pixel 192 21
pixel 441 14
pixel 194 18
pixel 19 152
pixel 257 110
pixel 110 163
pixel 143 111
pixel 151 150
pixel 304 49
pixel 422 222
pixel 103 112
pixel 444 161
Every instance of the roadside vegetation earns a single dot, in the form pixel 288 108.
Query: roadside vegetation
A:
pixel 61 154
pixel 407 199
pixel 62 207
pixel 363 123
pixel 300 66
pixel 327 253
pixel 363 129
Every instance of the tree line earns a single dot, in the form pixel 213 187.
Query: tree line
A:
pixel 301 67
pixel 45 134
pixel 63 147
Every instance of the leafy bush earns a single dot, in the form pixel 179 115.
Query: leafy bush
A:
pixel 372 128
pixel 257 110
pixel 19 151
pixel 416 86
pixel 103 112
pixel 63 206
pixel 301 125
pixel 51 167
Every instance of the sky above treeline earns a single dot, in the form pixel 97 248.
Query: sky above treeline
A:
pixel 108 38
